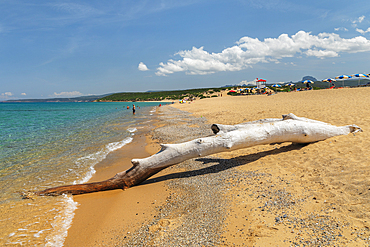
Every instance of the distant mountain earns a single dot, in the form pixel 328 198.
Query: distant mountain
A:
pixel 307 77
pixel 90 98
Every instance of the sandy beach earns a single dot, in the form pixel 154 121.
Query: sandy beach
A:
pixel 269 195
pixel 103 218
pixel 327 178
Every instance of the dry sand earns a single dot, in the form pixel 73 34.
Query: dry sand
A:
pixel 327 179
pixel 292 195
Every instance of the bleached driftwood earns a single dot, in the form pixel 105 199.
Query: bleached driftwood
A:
pixel 228 137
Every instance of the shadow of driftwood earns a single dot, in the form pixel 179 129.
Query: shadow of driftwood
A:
pixel 223 164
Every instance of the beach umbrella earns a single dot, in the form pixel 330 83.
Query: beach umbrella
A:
pixel 329 80
pixel 290 84
pixel 276 85
pixel 308 81
pixel 343 77
pixel 359 77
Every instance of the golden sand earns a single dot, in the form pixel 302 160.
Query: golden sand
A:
pixel 332 176
pixel 104 218
pixel 328 178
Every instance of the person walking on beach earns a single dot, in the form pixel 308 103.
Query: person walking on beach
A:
pixel 133 109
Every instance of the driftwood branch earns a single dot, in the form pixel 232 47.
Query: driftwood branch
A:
pixel 227 138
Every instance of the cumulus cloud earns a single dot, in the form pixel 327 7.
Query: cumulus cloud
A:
pixel 363 31
pixel 249 51
pixel 245 82
pixel 142 67
pixel 66 94
pixel 6 95
pixel 23 94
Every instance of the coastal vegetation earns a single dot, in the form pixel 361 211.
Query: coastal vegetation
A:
pixel 163 95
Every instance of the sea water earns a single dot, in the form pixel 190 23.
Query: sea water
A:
pixel 45 145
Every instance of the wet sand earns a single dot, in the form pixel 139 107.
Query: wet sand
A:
pixel 104 217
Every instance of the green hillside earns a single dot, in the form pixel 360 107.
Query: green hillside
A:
pixel 161 95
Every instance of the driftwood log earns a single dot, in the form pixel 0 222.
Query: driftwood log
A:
pixel 227 138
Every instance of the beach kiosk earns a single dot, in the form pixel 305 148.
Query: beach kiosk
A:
pixel 260 83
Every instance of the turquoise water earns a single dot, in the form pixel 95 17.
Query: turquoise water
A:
pixel 50 144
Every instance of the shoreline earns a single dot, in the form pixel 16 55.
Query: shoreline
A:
pixel 104 217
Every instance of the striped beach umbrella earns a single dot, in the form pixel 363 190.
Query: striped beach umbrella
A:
pixel 343 77
pixel 329 80
pixel 359 77
pixel 290 84
pixel 276 85
pixel 308 81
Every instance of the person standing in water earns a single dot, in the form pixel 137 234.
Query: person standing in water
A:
pixel 133 109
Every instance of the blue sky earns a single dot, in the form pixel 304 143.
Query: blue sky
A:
pixel 73 48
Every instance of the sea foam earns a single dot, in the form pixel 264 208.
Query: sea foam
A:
pixel 63 221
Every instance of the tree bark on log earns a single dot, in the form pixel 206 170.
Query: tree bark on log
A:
pixel 227 138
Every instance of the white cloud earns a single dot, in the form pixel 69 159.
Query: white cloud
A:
pixel 290 64
pixel 359 20
pixel 341 29
pixel 362 31
pixel 249 51
pixel 142 67
pixel 245 82
pixel 6 95
pixel 66 94
pixel 24 94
